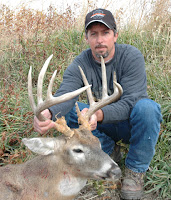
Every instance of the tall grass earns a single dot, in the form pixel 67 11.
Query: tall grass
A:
pixel 28 37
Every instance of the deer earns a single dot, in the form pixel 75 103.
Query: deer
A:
pixel 64 163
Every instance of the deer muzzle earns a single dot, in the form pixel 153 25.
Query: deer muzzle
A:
pixel 114 173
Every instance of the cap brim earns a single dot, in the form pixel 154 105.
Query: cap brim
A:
pixel 97 21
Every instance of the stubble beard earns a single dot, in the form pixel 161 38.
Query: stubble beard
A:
pixel 104 55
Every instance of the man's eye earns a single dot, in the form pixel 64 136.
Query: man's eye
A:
pixel 93 34
pixel 106 32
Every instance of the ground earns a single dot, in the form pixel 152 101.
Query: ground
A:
pixel 108 192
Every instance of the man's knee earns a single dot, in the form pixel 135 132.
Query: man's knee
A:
pixel 145 120
pixel 147 110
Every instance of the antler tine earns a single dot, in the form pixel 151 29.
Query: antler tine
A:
pixel 116 85
pixel 49 91
pixel 94 106
pixel 40 80
pixel 50 100
pixel 89 93
pixel 104 79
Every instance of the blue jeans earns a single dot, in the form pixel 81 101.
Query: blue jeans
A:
pixel 141 131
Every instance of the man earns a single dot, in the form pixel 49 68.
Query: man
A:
pixel 134 118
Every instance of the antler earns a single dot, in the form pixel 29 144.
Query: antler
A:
pixel 50 100
pixel 94 106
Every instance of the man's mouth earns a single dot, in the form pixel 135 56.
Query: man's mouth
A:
pixel 100 47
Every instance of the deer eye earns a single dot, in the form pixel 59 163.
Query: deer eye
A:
pixel 77 151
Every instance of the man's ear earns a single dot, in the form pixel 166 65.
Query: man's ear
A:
pixel 115 37
pixel 86 37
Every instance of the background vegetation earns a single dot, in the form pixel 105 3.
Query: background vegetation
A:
pixel 28 37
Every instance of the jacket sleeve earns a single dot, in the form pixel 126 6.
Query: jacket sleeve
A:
pixel 133 81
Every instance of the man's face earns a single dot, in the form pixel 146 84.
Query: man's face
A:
pixel 101 40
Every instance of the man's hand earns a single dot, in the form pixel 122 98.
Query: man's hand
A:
pixel 96 117
pixel 43 126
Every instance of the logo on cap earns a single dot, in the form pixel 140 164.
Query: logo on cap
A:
pixel 98 14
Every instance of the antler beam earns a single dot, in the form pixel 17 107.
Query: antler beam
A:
pixel 50 100
pixel 106 99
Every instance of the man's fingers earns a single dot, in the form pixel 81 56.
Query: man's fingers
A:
pixel 44 123
pixel 93 122
pixel 44 129
pixel 84 111
pixel 46 113
pixel 93 119
pixel 43 126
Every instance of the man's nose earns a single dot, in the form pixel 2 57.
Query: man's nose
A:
pixel 99 39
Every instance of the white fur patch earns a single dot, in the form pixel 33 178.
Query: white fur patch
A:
pixel 71 185
pixel 105 167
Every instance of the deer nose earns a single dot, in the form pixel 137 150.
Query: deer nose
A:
pixel 115 172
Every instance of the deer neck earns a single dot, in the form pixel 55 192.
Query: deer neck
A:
pixel 70 185
pixel 65 182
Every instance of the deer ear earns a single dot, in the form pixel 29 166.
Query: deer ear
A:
pixel 42 146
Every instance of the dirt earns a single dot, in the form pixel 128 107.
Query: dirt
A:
pixel 108 192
